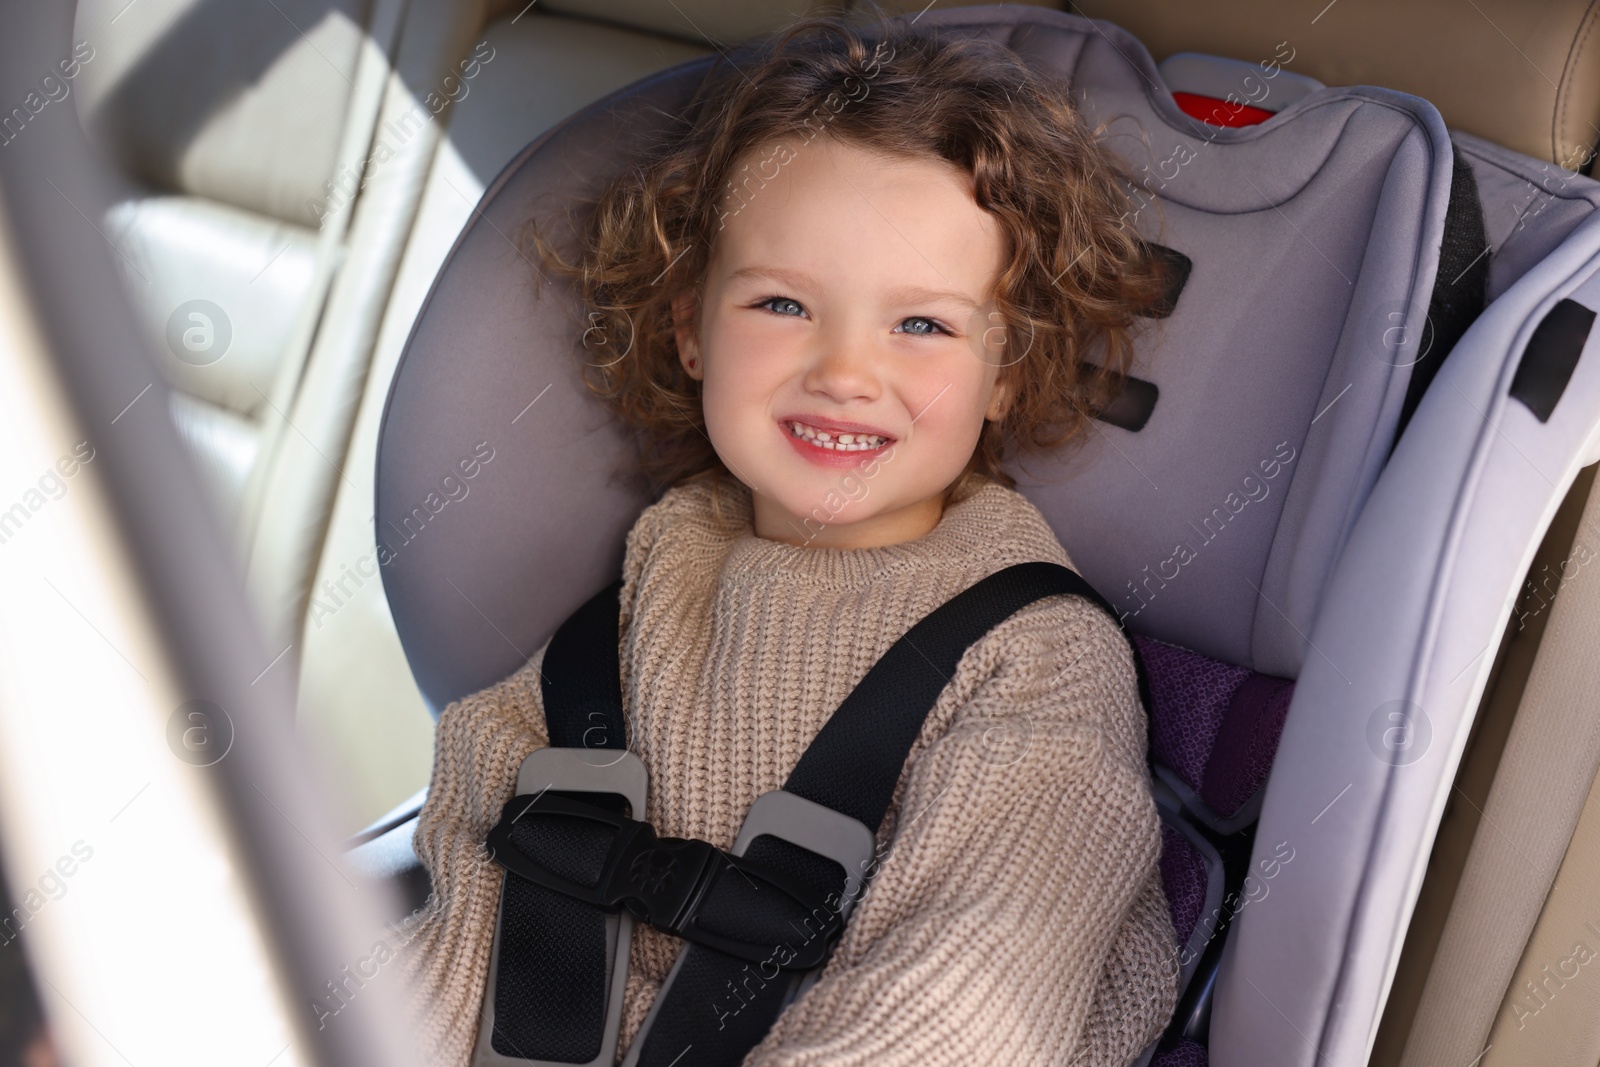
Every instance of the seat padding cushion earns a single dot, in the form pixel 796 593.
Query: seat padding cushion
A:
pixel 1183 876
pixel 1183 1054
pixel 1245 744
pixel 1215 725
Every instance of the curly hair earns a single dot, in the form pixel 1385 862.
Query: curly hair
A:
pixel 1074 276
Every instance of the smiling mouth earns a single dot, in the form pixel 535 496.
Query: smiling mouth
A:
pixel 837 442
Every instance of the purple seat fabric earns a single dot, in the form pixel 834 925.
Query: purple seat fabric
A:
pixel 1183 875
pixel 1184 1054
pixel 1189 696
pixel 1242 755
pixel 1214 724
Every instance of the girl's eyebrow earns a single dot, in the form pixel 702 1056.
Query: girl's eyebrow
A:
pixel 905 294
pixel 798 279
pixel 916 294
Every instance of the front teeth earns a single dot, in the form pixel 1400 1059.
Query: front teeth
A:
pixel 846 442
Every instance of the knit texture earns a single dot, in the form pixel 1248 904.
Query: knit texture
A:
pixel 1017 916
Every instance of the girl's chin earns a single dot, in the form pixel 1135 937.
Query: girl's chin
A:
pixel 812 517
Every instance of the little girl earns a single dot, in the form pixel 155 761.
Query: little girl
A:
pixel 863 267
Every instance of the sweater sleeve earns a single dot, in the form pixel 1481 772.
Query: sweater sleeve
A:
pixel 1025 846
pixel 479 745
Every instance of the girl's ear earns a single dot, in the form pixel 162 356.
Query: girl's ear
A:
pixel 687 337
pixel 999 401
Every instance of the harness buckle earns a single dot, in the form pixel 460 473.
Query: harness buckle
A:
pixel 572 770
pixel 662 880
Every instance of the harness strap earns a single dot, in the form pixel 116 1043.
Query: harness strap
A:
pixel 722 1005
pixel 550 989
pixel 855 760
pixel 581 678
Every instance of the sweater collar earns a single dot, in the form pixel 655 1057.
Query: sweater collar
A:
pixel 968 530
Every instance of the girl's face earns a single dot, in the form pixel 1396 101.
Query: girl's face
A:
pixel 850 292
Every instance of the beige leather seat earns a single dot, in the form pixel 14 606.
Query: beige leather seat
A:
pixel 271 154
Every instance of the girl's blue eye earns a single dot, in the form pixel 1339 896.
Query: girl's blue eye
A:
pixel 916 325
pixel 782 305
pixel 927 327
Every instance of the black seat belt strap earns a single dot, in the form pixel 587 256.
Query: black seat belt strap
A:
pixel 580 681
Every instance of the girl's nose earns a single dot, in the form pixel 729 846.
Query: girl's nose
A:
pixel 844 367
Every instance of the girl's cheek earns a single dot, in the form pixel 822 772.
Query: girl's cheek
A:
pixel 955 396
pixel 765 355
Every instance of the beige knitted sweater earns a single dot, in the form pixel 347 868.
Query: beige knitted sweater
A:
pixel 1018 917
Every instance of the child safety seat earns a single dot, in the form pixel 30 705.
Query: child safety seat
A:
pixel 1300 577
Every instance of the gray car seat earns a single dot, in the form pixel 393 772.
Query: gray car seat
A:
pixel 1255 528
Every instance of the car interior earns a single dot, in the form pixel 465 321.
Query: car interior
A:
pixel 1364 421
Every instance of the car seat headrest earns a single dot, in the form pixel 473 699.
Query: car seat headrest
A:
pixel 720 22
pixel 1313 240
pixel 1519 73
